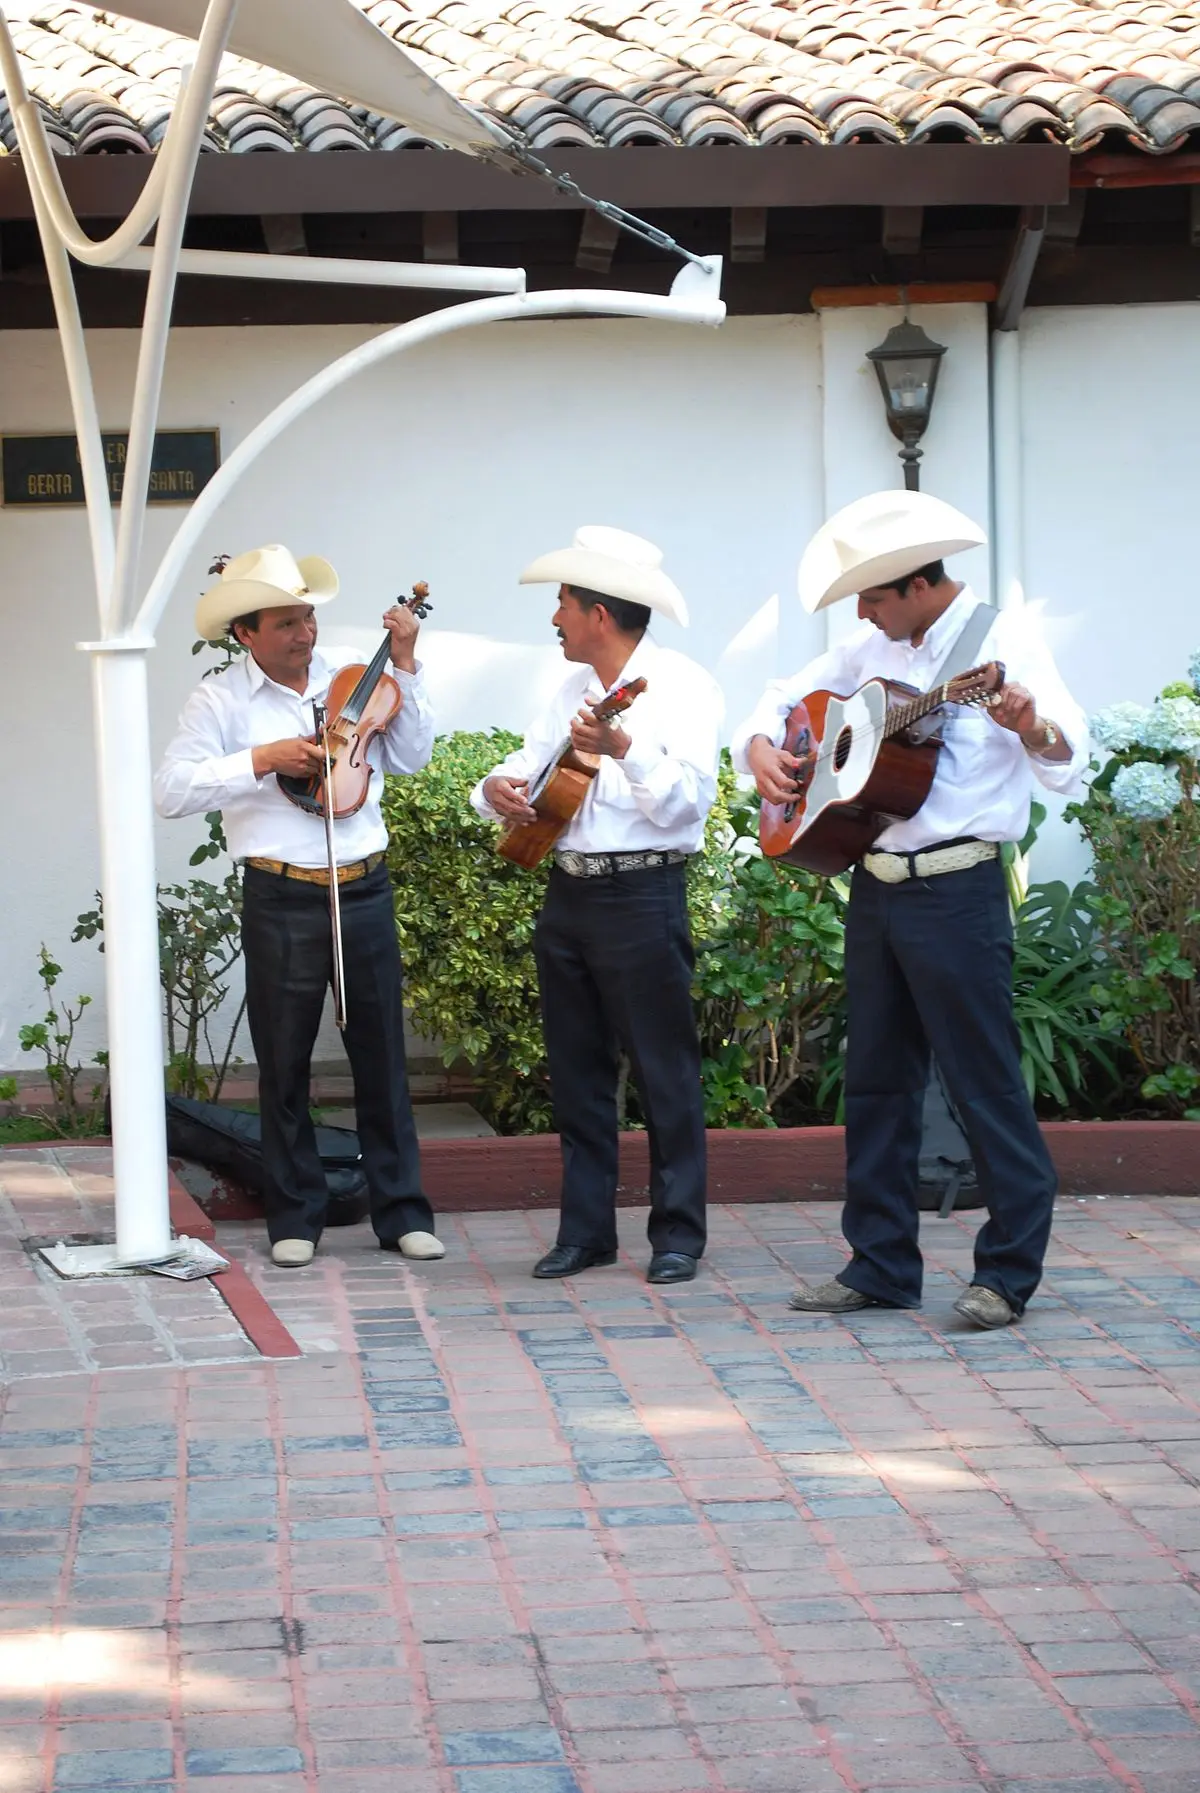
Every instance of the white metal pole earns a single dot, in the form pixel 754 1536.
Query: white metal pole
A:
pixel 242 264
pixel 1008 573
pixel 160 296
pixel 135 1034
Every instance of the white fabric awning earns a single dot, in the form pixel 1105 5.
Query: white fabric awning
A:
pixel 333 47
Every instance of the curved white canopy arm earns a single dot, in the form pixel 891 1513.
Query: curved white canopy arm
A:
pixel 694 300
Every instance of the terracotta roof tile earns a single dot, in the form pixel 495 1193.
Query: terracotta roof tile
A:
pixel 665 72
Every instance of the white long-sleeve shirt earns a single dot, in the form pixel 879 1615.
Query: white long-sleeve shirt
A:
pixel 209 764
pixel 658 796
pixel 985 779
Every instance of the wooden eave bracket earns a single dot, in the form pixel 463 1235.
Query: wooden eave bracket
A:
pixel 439 236
pixel 748 233
pixel 283 233
pixel 902 228
pixel 598 237
pixel 1064 222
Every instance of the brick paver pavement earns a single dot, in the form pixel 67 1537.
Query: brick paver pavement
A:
pixel 498 1536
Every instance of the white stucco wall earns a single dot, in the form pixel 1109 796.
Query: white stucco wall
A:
pixel 460 462
pixel 1110 396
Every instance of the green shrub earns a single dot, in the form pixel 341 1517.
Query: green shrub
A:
pixel 1069 1044
pixel 1142 821
pixel 465 921
pixel 769 994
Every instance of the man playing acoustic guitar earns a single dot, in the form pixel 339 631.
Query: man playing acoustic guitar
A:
pixel 928 929
pixel 614 953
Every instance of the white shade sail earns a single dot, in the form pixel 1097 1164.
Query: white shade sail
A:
pixel 333 47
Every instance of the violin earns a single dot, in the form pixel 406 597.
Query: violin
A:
pixel 360 703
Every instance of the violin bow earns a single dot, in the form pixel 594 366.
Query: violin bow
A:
pixel 320 718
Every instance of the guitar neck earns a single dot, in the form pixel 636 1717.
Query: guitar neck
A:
pixel 903 715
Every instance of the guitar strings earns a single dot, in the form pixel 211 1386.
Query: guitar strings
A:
pixel 882 732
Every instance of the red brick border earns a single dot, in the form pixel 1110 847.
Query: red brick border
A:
pixel 248 1305
pixel 784 1164
pixel 254 1313
pixel 804 1164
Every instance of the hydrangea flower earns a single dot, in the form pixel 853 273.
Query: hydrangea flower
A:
pixel 1146 792
pixel 1172 725
pixel 1119 726
pixel 1194 669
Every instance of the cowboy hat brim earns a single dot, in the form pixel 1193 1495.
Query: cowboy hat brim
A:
pixel 878 539
pixel 231 598
pixel 612 578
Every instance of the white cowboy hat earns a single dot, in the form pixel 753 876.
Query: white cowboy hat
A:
pixel 885 536
pixel 615 564
pixel 264 579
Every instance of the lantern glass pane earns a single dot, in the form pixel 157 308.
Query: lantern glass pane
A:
pixel 908 382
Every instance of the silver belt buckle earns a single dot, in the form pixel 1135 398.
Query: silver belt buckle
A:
pixel 574 864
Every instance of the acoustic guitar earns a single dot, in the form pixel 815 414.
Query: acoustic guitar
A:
pixel 558 792
pixel 865 764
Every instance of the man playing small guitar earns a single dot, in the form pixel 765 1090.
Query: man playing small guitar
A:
pixel 614 953
pixel 928 930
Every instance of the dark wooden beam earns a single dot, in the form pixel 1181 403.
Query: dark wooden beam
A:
pixel 874 174
pixel 283 233
pixel 748 233
pixel 1014 288
pixel 439 236
pixel 1106 169
pixel 1194 219
pixel 598 238
pixel 902 226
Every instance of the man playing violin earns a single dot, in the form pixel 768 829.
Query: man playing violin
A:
pixel 614 954
pixel 238 730
pixel 929 929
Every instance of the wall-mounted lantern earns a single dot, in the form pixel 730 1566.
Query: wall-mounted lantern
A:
pixel 906 362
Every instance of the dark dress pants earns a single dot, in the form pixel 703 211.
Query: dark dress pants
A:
pixel 289 961
pixel 929 964
pixel 614 958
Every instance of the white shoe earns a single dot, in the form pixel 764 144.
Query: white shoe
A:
pixel 292 1254
pixel 421 1245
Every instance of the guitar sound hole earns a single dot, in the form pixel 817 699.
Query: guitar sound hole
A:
pixel 841 752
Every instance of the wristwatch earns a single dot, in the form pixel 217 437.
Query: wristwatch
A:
pixel 1051 738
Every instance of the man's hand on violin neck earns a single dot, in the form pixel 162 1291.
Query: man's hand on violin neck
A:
pixel 403 627
pixel 296 758
pixel 774 770
pixel 509 798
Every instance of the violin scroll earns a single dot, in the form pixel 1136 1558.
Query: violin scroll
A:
pixel 419 602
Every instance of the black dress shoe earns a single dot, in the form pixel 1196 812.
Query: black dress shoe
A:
pixel 568 1260
pixel 671 1266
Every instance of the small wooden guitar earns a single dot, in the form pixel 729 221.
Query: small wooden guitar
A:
pixel 862 766
pixel 557 793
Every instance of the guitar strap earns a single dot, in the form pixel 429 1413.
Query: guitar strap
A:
pixel 959 658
